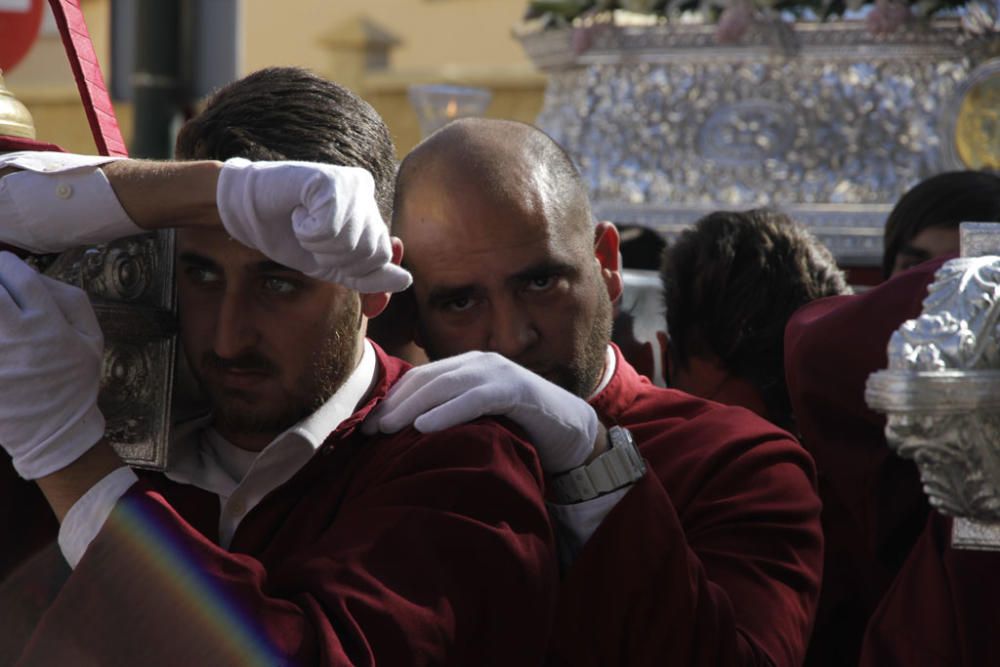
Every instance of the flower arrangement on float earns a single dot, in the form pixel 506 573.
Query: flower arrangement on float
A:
pixel 733 18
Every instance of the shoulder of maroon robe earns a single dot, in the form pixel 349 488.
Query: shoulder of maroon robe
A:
pixel 712 558
pixel 27 523
pixel 942 610
pixel 397 549
pixel 874 506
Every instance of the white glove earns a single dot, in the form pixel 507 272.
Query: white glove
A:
pixel 50 368
pixel 335 233
pixel 439 395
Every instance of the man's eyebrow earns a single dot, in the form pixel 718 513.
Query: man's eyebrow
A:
pixel 439 295
pixel 913 251
pixel 270 266
pixel 542 269
pixel 195 259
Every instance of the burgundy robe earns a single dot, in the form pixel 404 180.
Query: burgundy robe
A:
pixel 874 508
pixel 941 611
pixel 402 549
pixel 712 558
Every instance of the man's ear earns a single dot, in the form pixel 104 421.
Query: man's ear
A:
pixel 606 250
pixel 374 303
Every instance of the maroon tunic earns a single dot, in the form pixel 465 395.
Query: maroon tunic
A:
pixel 403 549
pixel 943 609
pixel 713 558
pixel 873 506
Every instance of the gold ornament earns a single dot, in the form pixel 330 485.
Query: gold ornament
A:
pixel 977 127
pixel 15 120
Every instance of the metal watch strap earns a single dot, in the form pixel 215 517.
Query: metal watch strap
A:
pixel 619 466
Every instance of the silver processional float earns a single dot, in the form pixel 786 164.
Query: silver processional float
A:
pixel 941 392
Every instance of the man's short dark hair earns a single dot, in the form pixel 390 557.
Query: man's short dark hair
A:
pixel 288 113
pixel 945 201
pixel 730 284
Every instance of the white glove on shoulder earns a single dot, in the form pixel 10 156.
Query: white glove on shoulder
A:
pixel 317 218
pixel 442 394
pixel 50 366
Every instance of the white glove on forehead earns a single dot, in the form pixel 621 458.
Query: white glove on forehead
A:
pixel 442 394
pixel 50 367
pixel 317 218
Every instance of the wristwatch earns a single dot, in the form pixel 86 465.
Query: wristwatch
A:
pixel 618 467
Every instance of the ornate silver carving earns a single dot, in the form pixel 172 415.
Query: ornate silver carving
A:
pixel 979 238
pixel 130 282
pixel 967 534
pixel 827 122
pixel 941 394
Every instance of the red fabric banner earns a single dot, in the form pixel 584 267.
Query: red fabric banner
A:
pixel 89 80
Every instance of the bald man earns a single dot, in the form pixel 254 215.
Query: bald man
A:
pixel 690 531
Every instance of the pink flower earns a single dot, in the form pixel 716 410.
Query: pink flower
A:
pixel 887 17
pixel 733 23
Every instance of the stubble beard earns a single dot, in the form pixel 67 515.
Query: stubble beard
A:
pixel 583 373
pixel 332 364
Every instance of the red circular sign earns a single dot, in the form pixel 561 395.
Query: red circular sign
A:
pixel 19 23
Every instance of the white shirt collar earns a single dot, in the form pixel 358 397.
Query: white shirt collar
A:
pixel 204 459
pixel 610 364
pixel 318 426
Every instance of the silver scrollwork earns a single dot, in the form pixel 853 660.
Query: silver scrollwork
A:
pixel 941 395
pixel 130 283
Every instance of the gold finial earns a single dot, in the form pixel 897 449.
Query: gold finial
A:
pixel 15 120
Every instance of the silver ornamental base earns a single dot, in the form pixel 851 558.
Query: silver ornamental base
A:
pixel 822 119
pixel 941 391
pixel 975 535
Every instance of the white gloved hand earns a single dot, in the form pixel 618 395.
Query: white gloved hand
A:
pixel 50 369
pixel 317 218
pixel 439 395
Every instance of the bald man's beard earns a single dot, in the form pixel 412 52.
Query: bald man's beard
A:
pixel 584 372
pixel 332 363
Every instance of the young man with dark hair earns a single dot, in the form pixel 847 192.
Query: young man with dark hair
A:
pixel 284 113
pixel 924 222
pixel 279 534
pixel 690 530
pixel 730 283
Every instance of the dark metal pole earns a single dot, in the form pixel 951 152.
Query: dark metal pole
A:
pixel 215 45
pixel 156 79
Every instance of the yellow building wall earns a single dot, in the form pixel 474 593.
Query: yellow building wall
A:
pixel 465 42
pixel 43 81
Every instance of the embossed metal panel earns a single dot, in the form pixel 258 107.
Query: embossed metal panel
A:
pixel 131 286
